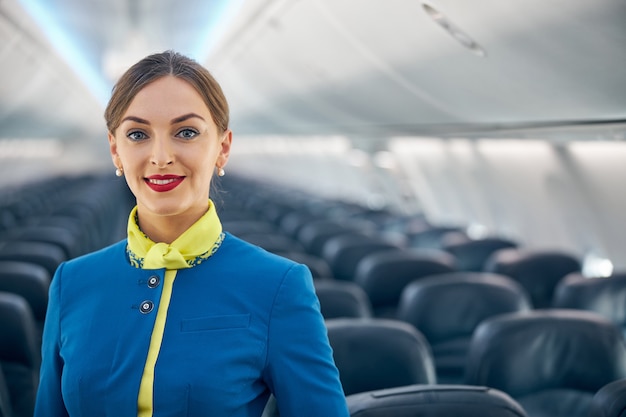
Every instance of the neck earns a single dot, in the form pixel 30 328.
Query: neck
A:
pixel 166 229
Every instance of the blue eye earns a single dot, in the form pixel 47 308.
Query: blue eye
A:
pixel 136 135
pixel 187 133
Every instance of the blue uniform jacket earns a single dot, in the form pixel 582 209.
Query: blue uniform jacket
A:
pixel 240 325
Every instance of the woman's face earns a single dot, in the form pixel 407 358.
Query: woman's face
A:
pixel 168 147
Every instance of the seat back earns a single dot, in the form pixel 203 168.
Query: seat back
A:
pixel 5 397
pixel 272 242
pixel 32 282
pixel 383 275
pixel 471 254
pixel 19 353
pixel 447 308
pixel 374 354
pixel 434 401
pixel 606 296
pixel 342 299
pixel 344 252
pixel 551 361
pixel 29 280
pixel 45 254
pixel 291 221
pixel 430 236
pixel 314 235
pixel 610 400
pixel 317 265
pixel 56 235
pixel 243 227
pixel 538 271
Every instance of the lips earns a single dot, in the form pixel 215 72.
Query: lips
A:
pixel 163 183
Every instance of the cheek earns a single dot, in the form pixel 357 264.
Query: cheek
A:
pixel 131 158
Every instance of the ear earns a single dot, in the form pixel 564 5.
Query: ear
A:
pixel 222 157
pixel 113 149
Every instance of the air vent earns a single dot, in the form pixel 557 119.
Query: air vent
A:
pixel 462 37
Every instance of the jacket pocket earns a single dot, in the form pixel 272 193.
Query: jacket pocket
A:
pixel 238 321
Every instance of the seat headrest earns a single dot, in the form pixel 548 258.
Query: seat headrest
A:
pixel 521 262
pixel 344 252
pixel 342 299
pixel 17 327
pixel 384 275
pixel 452 305
pixel 29 280
pixel 47 255
pixel 539 271
pixel 377 353
pixel 522 353
pixel 606 296
pixel 471 255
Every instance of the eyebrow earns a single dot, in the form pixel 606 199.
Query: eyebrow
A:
pixel 135 119
pixel 185 117
pixel 173 121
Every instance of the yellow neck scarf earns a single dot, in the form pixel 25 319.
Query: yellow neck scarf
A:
pixel 195 245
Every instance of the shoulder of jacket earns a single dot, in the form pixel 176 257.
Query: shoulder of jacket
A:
pixel 106 255
pixel 249 254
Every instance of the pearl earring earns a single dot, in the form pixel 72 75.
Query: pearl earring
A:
pixel 220 172
pixel 119 172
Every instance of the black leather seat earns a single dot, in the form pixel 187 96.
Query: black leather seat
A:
pixel 238 214
pixel 19 353
pixel 434 401
pixel 249 226
pixel 273 242
pixel 383 275
pixel 374 354
pixel 471 254
pixel 606 296
pixel 62 237
pixel 344 252
pixel 447 309
pixel 291 221
pixel 539 271
pixel 342 299
pixel 47 255
pixel 32 282
pixel 551 361
pixel 430 237
pixel 610 400
pixel 318 266
pixel 5 398
pixel 314 235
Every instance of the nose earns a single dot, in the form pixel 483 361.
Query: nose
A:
pixel 162 153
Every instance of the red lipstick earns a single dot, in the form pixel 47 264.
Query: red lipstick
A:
pixel 163 183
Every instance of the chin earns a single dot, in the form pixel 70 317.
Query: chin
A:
pixel 165 207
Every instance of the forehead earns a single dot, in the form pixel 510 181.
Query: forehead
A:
pixel 167 96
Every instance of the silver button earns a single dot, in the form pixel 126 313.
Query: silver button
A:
pixel 153 281
pixel 146 307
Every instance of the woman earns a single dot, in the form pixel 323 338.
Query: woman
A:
pixel 181 319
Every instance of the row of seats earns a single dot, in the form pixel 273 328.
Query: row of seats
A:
pixel 41 225
pixel 551 362
pixel 380 267
pixel 334 238
pixel 384 269
pixel 547 363
pixel 373 249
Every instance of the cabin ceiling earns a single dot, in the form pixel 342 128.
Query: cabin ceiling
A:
pixel 356 67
